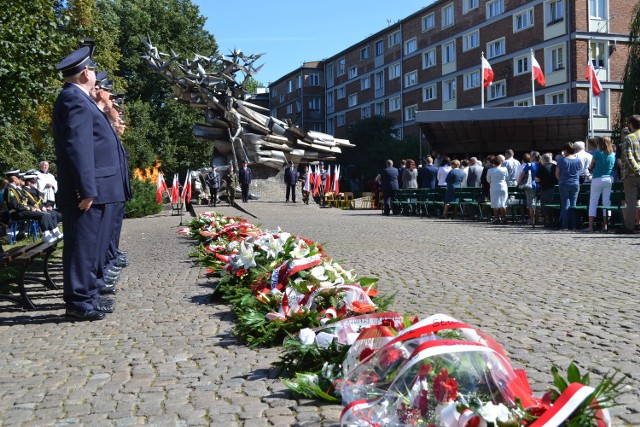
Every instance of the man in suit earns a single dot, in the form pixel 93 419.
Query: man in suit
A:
pixel 91 184
pixel 429 174
pixel 291 176
pixel 401 169
pixel 474 174
pixel 244 177
pixel 389 185
pixel 213 182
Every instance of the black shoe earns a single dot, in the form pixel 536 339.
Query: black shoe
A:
pixel 104 308
pixel 107 289
pixel 105 301
pixel 114 269
pixel 89 315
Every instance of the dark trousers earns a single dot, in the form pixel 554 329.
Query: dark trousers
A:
pixel 214 195
pixel 46 220
pixel 84 246
pixel 291 189
pixel 114 243
pixel 245 192
pixel 388 196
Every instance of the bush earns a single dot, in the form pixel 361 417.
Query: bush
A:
pixel 143 202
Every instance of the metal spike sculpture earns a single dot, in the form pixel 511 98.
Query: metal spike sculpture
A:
pixel 240 130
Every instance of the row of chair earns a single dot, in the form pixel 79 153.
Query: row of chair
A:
pixel 339 200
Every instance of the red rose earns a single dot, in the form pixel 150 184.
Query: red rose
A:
pixel 389 357
pixel 445 388
pixel 366 352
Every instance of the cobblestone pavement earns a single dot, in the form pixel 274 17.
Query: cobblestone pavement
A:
pixel 167 357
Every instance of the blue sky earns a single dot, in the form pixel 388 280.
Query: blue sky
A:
pixel 290 32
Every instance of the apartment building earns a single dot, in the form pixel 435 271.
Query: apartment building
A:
pixel 431 61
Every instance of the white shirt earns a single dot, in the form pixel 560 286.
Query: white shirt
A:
pixel 50 192
pixel 585 159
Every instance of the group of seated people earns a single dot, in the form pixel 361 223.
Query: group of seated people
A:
pixel 538 176
pixel 23 197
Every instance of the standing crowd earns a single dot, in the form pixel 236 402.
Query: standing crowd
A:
pixel 599 165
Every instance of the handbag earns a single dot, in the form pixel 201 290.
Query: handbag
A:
pixel 525 182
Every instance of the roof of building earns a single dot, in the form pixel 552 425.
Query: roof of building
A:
pixel 486 130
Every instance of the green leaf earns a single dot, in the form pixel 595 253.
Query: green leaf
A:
pixel 573 373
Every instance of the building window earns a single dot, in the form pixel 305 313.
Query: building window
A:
pixel 523 20
pixel 472 80
pixel 470 41
pixel 365 112
pixel 378 80
pixel 597 9
pixel 379 108
pixel 289 86
pixel 557 58
pixel 429 93
pixel 330 127
pixel 330 99
pixel 353 72
pixel 449 52
pixel 341 66
pixel 379 47
pixel 394 71
pixel 447 16
pixel 410 46
pixel 314 79
pixel 428 22
pixel 281 98
pixel 340 93
pixel 554 11
pixel 329 72
pixel 365 83
pixel 314 104
pixel 468 5
pixel 497 90
pixel 495 8
pixel 289 108
pixel 353 100
pixel 598 54
pixel 274 92
pixel 599 105
pixel 522 103
pixel 495 48
pixel 555 98
pixel 429 58
pixel 394 38
pixel 316 126
pixel 411 79
pixel 449 90
pixel 299 81
pixel 521 65
pixel 394 103
pixel 410 113
pixel 340 120
pixel 364 53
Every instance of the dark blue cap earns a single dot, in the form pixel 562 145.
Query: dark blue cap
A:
pixel 101 76
pixel 105 84
pixel 75 62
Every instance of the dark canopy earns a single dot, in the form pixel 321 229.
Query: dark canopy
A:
pixel 492 130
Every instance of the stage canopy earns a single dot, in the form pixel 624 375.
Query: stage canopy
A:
pixel 493 130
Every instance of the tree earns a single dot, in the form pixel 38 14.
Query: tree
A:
pixel 630 100
pixel 32 41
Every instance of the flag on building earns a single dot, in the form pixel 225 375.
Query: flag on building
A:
pixel 487 72
pixel 536 70
pixel 175 190
pixel 186 189
pixel 593 79
pixel 161 188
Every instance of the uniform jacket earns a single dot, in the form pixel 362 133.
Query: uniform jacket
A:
pixel 91 160
pixel 213 179
pixel 291 176
pixel 244 176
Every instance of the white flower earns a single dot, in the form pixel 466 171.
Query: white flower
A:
pixel 301 250
pixel 307 336
pixel 491 412
pixel 272 247
pixel 247 257
pixel 318 273
pixel 283 236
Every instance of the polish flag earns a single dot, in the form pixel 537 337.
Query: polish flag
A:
pixel 591 76
pixel 161 188
pixel 186 189
pixel 336 180
pixel 487 72
pixel 536 70
pixel 175 190
pixel 318 182
pixel 307 182
pixel 327 182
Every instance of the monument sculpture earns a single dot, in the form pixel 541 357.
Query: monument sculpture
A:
pixel 240 130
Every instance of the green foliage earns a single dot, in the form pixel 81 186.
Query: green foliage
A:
pixel 143 202
pixel 630 100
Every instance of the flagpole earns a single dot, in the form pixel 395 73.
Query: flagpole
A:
pixel 533 83
pixel 590 67
pixel 482 80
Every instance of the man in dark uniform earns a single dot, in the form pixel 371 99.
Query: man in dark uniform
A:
pixel 389 185
pixel 244 178
pixel 213 182
pixel 91 184
pixel 291 176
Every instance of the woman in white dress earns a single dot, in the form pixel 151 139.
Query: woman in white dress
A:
pixel 498 190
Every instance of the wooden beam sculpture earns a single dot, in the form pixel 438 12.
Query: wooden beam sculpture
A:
pixel 240 130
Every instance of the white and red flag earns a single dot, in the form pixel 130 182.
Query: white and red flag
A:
pixel 336 179
pixel 487 72
pixel 593 79
pixel 175 190
pixel 186 189
pixel 318 182
pixel 536 70
pixel 161 188
pixel 307 182
pixel 327 181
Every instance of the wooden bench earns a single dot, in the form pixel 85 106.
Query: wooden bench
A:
pixel 21 258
